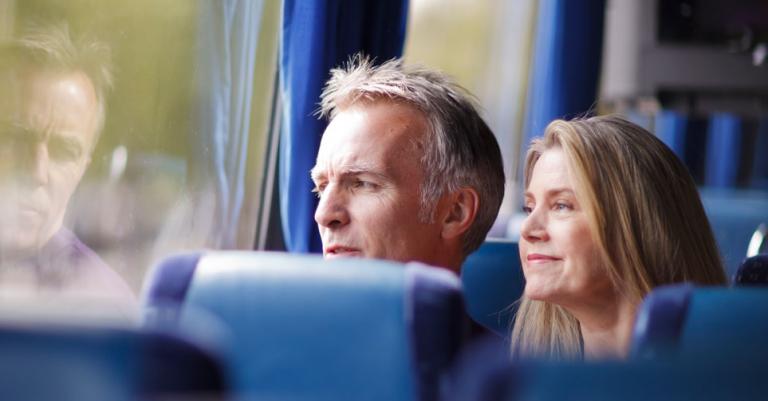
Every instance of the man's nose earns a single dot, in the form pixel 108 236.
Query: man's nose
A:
pixel 534 227
pixel 38 164
pixel 332 210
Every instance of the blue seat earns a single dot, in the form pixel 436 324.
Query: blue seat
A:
pixel 493 282
pixel 717 322
pixel 485 373
pixel 734 216
pixel 85 363
pixel 303 328
pixel 753 271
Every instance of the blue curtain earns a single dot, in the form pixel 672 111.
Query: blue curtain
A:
pixel 228 38
pixel 318 35
pixel 671 128
pixel 565 68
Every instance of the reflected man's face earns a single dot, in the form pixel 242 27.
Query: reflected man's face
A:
pixel 46 137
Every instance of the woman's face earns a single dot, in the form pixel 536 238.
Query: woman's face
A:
pixel 560 258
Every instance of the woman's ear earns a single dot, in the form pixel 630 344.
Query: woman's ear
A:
pixel 461 212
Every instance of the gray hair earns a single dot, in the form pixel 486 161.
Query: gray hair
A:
pixel 53 47
pixel 460 150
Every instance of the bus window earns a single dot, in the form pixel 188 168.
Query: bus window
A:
pixel 134 129
pixel 486 47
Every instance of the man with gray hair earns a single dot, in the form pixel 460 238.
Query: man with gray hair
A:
pixel 407 170
pixel 51 115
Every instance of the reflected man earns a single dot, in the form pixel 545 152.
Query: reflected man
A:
pixel 51 115
pixel 407 169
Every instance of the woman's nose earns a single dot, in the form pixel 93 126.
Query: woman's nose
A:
pixel 534 228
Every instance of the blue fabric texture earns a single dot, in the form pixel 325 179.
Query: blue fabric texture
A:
pixel 759 177
pixel 723 150
pixel 493 282
pixel 54 362
pixel 303 328
pixel 433 297
pixel 566 63
pixel 753 271
pixel 660 321
pixel 228 38
pixel 318 35
pixel 671 128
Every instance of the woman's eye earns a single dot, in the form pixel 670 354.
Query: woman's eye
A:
pixel 527 209
pixel 560 206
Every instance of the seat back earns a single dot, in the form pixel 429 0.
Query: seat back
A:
pixel 734 215
pixel 717 322
pixel 752 271
pixel 87 363
pixel 485 373
pixel 493 281
pixel 305 328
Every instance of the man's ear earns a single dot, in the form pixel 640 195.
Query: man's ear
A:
pixel 461 211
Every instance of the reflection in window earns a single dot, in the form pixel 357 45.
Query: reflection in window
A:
pixel 134 130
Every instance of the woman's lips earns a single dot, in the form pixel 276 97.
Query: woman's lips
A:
pixel 540 258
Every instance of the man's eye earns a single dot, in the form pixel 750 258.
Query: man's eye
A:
pixel 363 184
pixel 64 153
pixel 318 190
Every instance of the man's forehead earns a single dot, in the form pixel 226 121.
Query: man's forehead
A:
pixel 59 103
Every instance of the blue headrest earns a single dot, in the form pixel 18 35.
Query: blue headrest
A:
pixel 734 216
pixel 753 271
pixel 493 281
pixel 483 374
pixel 713 321
pixel 87 363
pixel 660 320
pixel 305 328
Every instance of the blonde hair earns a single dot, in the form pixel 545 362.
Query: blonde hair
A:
pixel 645 216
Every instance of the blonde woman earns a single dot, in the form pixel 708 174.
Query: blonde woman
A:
pixel 612 213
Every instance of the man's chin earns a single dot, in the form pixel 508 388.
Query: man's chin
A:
pixel 19 244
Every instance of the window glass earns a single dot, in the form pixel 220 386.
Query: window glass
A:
pixel 486 47
pixel 131 130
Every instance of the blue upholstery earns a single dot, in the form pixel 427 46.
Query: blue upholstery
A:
pixel 68 363
pixel 753 271
pixel 734 216
pixel 671 127
pixel 493 281
pixel 305 328
pixel 660 321
pixel 485 375
pixel 759 178
pixel 694 322
pixel 724 144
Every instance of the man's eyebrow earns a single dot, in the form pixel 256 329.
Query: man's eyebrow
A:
pixel 71 143
pixel 350 170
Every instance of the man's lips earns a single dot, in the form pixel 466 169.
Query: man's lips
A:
pixel 341 250
pixel 540 258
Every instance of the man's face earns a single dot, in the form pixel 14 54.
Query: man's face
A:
pixel 47 129
pixel 368 176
